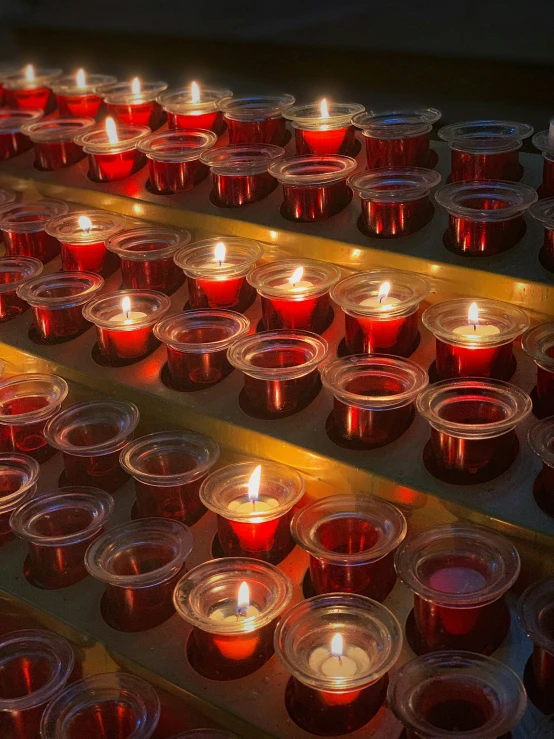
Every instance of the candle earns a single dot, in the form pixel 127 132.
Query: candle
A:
pixel 195 108
pixel 54 143
pixel 324 128
pixel 112 150
pixel 79 95
pixel 24 228
pixel 30 89
pixel 135 103
pixel 536 615
pixel 15 272
pixel 19 475
pixel 544 141
pixel 538 343
pixel 12 140
pixel 256 120
pixel 543 212
pixel 541 441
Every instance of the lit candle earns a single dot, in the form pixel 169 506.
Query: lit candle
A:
pixel 85 224
pixel 382 300
pixel 111 130
pixel 473 328
pixel 297 283
pixel 80 78
pixel 127 316
pixel 30 75
pixel 324 128
pixel 228 611
pixel 253 503
pixel 337 662
pixel 194 93
pixel 136 86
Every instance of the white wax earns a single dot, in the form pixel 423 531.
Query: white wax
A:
pixel 228 612
pixel 457 580
pixel 297 286
pixel 471 330
pixel 261 505
pixel 383 304
pixel 350 664
pixel 128 318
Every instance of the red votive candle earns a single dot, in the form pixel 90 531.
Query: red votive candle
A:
pixel 254 504
pixel 91 436
pixel 83 235
pixel 174 159
pixel 124 321
pixel 12 140
pixel 27 402
pixel 454 694
pixel 168 468
pixel 146 257
pixel 295 293
pixel 458 574
pixel 374 398
pixel 541 441
pixel 398 138
pixel 475 339
pixel 14 272
pixel 280 371
pixel 194 108
pixel 395 202
pixel 140 563
pixel 114 705
pixel 324 128
pixel 543 212
pixel 135 103
pixel 30 89
pixel 536 613
pixel 112 150
pixel 351 540
pixel 58 527
pixel 79 95
pixel 23 228
pixel 485 150
pixel 54 141
pixel 216 272
pixel 197 343
pixel 485 218
pixel 380 311
pixel 473 428
pixel 538 343
pixel 240 173
pixel 18 483
pixel 257 119
pixel 233 605
pixel 338 649
pixel 36 665
pixel 314 187
pixel 544 141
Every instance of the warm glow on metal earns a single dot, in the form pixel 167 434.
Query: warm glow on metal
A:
pixel 254 484
pixel 296 276
pixel 384 290
pixel 243 597
pixel 81 78
pixel 85 224
pixel 194 92
pixel 473 314
pixel 29 72
pixel 111 130
pixel 324 108
pixel 336 645
pixel 135 86
pixel 219 252
pixel 126 306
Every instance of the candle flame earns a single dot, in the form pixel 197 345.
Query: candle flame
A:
pixel 219 252
pixel 135 86
pixel 243 597
pixel 81 78
pixel 296 276
pixel 29 72
pixel 126 306
pixel 85 223
pixel 111 130
pixel 194 92
pixel 473 314
pixel 254 484
pixel 324 108
pixel 384 290
pixel 337 646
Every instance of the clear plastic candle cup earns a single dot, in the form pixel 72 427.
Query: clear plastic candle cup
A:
pixel 257 119
pixel 195 107
pixel 78 95
pixel 23 227
pixel 19 475
pixel 54 143
pixel 112 150
pixel 544 142
pixel 135 103
pixel 15 272
pixel 12 140
pixel 31 89
pixel 536 614
pixel 541 441
pixel 538 343
pixel 543 212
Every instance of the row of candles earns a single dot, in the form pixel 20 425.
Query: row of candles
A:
pixel 338 644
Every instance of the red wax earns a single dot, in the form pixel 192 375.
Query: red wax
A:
pixel 172 177
pixel 78 106
pixel 2 93
pixel 115 345
pixel 266 131
pixel 103 471
pixel 36 244
pixel 269 541
pixel 392 220
pixel 459 361
pixel 502 166
pixel 12 144
pixel 21 677
pixel 103 719
pixel 9 484
pixel 28 439
pixel 153 274
pixel 139 114
pixel 546 190
pixel 179 502
pixel 236 190
pixel 188 370
pixel 409 152
pixel 88 257
pixel 314 203
pixel 270 397
pixel 233 292
pixel 10 304
pixel 307 314
pixel 333 141
pixel 109 167
pixel 40 98
pixel 59 323
pixel 545 388
pixel 480 238
pixel 207 121
pixel 333 714
pixel 52 155
pixel 546 255
pixel 366 335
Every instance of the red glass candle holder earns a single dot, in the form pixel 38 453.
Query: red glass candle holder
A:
pixel 36 666
pixel 456 694
pixel 54 143
pixel 398 138
pixel 197 343
pixel 240 173
pixel 473 428
pixel 23 228
pixel 485 218
pixel 351 540
pixel 295 293
pixel 322 131
pixel 257 119
pixel 536 613
pixel 14 272
pixel 280 370
pixel 538 343
pixel 12 140
pixel 174 159
pixel 80 100
pixel 475 346
pixel 485 150
pixel 544 141
pixel 543 212
pixel 27 402
pixel 57 301
pixel 108 161
pixel 458 574
pixel 33 93
pixel 395 202
pixel 114 705
pixel 18 483
pixel 314 187
pixel 136 108
pixel 254 521
pixel 125 334
pixel 168 468
pixel 380 311
pixel 91 436
pixel 146 256
pixel 541 441
pixel 185 111
pixel 217 279
pixel 374 398
pixel 338 649
pixel 232 632
pixel 58 527
pixel 140 563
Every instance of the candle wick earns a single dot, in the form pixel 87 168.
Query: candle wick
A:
pixel 381 299
pixel 475 327
pixel 339 657
pixel 242 611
